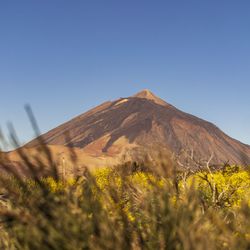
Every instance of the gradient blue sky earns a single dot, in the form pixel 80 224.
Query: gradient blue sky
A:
pixel 64 57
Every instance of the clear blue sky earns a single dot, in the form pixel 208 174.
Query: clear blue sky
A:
pixel 64 57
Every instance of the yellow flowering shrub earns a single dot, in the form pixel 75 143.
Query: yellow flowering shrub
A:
pixel 224 188
pixel 55 186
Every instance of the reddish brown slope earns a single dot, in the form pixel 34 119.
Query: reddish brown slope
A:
pixel 146 122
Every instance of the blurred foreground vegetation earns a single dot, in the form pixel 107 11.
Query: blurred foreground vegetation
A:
pixel 128 207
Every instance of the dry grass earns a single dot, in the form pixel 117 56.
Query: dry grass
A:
pixel 131 207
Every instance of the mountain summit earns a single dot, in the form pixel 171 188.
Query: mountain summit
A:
pixel 147 94
pixel 144 122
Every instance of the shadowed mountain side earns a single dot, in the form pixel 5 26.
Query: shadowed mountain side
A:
pixel 147 122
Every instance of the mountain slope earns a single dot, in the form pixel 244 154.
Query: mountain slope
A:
pixel 145 122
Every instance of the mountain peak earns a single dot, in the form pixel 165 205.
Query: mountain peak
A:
pixel 147 94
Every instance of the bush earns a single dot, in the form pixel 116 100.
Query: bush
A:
pixel 116 209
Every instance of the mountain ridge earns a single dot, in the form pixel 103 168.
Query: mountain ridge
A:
pixel 145 122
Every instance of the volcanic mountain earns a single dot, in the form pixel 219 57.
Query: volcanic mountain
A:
pixel 144 122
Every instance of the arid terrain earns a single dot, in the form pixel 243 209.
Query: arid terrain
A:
pixel 138 126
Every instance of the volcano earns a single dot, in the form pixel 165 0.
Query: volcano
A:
pixel 144 122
